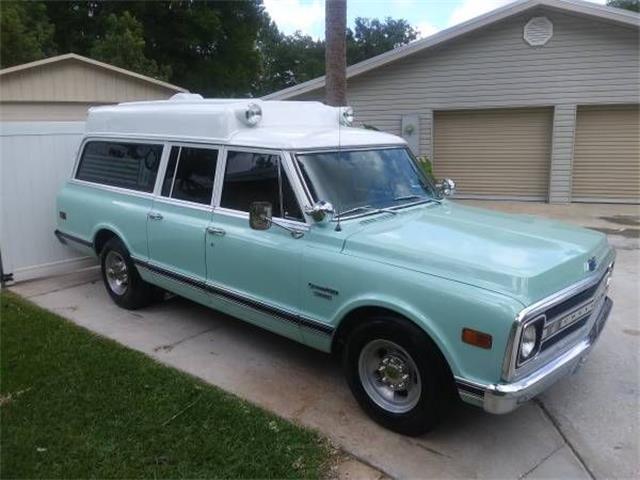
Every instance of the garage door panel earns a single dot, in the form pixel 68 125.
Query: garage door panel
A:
pixel 606 163
pixel 495 153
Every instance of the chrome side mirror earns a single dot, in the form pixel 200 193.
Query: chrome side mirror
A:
pixel 446 187
pixel 260 214
pixel 321 212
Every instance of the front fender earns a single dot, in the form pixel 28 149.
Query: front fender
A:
pixel 439 306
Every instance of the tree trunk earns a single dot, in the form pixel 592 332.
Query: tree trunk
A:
pixel 335 28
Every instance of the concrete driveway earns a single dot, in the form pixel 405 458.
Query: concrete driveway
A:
pixel 584 428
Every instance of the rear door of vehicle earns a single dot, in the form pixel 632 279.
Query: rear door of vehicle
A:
pixel 177 223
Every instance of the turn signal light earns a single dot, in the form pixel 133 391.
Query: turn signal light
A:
pixel 476 338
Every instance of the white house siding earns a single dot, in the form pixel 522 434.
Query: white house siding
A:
pixel 586 62
pixel 35 160
pixel 564 128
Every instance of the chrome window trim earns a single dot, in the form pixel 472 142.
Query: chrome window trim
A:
pixel 339 148
pixel 113 188
pixel 509 368
pixel 296 166
pixel 284 160
pixel 110 188
pixel 164 164
pixel 245 215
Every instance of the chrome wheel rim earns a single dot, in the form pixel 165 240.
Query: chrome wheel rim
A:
pixel 389 376
pixel 116 272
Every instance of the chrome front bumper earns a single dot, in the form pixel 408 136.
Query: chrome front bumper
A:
pixel 505 397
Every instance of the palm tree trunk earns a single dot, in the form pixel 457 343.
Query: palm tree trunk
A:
pixel 336 52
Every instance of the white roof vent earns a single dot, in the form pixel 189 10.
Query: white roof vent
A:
pixel 538 31
pixel 186 97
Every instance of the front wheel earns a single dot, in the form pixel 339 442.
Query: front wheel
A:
pixel 121 278
pixel 397 375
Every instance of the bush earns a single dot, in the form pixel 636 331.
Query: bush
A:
pixel 425 165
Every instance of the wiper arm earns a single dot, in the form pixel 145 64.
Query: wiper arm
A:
pixel 408 197
pixel 368 208
pixel 416 197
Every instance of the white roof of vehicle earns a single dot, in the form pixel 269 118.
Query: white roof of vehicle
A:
pixel 284 125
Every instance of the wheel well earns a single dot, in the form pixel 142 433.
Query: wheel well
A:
pixel 101 239
pixel 359 315
pixel 353 319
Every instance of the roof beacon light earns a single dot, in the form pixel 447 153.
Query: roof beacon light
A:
pixel 346 116
pixel 252 115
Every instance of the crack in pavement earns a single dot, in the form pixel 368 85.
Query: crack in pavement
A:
pixel 573 449
pixel 35 295
pixel 170 346
pixel 544 459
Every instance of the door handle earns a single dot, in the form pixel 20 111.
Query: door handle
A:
pixel 216 231
pixel 155 216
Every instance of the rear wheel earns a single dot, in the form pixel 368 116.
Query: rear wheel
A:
pixel 397 375
pixel 121 278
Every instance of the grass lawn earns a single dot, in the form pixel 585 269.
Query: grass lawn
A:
pixel 76 405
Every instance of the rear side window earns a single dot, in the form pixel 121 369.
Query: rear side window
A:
pixel 120 164
pixel 258 177
pixel 190 173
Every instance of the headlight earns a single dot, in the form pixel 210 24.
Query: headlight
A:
pixel 530 339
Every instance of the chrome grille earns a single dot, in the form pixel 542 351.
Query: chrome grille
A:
pixel 573 314
pixel 567 315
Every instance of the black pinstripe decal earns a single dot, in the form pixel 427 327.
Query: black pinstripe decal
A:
pixel 247 302
pixel 65 236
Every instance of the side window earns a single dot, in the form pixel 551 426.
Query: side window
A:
pixel 190 173
pixel 120 164
pixel 258 177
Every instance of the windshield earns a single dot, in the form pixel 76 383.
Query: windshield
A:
pixel 359 180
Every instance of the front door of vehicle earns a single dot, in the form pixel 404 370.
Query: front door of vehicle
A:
pixel 177 223
pixel 256 272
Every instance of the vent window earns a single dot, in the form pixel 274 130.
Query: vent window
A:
pixel 538 31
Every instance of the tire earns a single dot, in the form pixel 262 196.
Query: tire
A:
pixel 397 375
pixel 121 278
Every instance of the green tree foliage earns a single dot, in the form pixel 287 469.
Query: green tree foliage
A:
pixel 633 5
pixel 216 48
pixel 287 60
pixel 123 45
pixel 25 33
pixel 372 37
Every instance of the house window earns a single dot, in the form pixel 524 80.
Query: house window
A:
pixel 120 164
pixel 189 174
pixel 258 177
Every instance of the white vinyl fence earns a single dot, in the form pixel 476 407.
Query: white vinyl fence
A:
pixel 35 160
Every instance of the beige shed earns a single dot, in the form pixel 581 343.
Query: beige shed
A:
pixel 62 88
pixel 43 106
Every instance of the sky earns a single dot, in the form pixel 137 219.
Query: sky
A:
pixel 428 16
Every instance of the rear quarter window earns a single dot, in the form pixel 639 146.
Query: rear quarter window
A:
pixel 120 164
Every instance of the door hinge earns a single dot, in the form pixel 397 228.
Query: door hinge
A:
pixel 7 277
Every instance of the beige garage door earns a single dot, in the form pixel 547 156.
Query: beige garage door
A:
pixel 495 153
pixel 606 159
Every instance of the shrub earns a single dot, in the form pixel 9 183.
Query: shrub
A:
pixel 425 165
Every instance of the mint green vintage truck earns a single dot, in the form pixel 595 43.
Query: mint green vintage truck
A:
pixel 285 216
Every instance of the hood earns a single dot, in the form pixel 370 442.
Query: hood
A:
pixel 522 256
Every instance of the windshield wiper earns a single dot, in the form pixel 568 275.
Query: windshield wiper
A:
pixel 415 197
pixel 367 208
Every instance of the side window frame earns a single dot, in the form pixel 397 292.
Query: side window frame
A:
pixel 157 193
pixel 112 188
pixel 285 162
